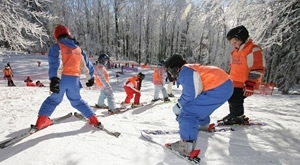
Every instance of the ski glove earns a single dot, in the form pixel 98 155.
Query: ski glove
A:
pixel 54 84
pixel 177 110
pixel 249 88
pixel 90 82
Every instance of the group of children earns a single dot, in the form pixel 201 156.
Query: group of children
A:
pixel 8 75
pixel 132 86
pixel 204 88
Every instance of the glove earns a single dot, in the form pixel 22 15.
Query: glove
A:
pixel 90 82
pixel 177 110
pixel 54 84
pixel 249 88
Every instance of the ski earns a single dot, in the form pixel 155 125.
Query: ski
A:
pixel 31 131
pixel 192 160
pixel 248 123
pixel 99 107
pixel 81 117
pixel 172 132
pixel 125 109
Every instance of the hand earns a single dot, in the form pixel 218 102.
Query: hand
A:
pixel 90 82
pixel 249 88
pixel 54 84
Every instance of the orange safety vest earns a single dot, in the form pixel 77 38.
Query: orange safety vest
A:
pixel 132 81
pixel 71 59
pixel 211 76
pixel 7 72
pixel 106 76
pixel 157 76
pixel 239 67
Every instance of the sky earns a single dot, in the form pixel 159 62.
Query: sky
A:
pixel 74 142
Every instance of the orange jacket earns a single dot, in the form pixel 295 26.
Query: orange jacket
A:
pixel 7 72
pixel 134 82
pixel 71 58
pixel 101 70
pixel 211 76
pixel 158 76
pixel 246 61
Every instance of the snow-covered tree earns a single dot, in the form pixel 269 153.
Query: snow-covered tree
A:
pixel 22 24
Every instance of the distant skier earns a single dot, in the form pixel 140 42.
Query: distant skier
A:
pixel 29 82
pixel 132 88
pixel 39 84
pixel 8 74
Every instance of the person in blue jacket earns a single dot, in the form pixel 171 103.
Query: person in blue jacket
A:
pixel 204 89
pixel 66 61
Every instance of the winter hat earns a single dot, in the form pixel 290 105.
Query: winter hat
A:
pixel 175 61
pixel 239 32
pixel 61 30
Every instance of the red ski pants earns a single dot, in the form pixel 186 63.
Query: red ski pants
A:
pixel 130 92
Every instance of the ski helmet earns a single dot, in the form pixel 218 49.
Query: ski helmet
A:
pixel 161 63
pixel 239 32
pixel 141 76
pixel 61 30
pixel 103 58
pixel 175 61
pixel 173 65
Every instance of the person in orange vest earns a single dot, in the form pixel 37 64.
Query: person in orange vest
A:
pixel 102 81
pixel 158 82
pixel 66 61
pixel 204 89
pixel 132 88
pixel 29 82
pixel 246 70
pixel 8 74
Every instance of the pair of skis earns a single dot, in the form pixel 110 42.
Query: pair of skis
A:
pixel 154 136
pixel 33 129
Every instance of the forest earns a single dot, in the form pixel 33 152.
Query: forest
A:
pixel 147 31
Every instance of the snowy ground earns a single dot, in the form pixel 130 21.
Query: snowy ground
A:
pixel 75 143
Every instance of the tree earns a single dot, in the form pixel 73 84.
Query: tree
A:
pixel 22 24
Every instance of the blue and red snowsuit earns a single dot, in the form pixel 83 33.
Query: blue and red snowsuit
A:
pixel 204 89
pixel 66 60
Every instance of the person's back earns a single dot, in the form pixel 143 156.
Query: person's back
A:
pixel 66 61
pixel 204 89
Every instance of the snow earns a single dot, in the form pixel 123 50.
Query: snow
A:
pixel 75 142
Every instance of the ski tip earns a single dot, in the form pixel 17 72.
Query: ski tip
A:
pixel 167 145
pixel 195 153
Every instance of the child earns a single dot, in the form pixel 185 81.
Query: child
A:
pixel 8 74
pixel 158 83
pixel 39 84
pixel 133 87
pixel 102 80
pixel 204 89
pixel 66 61
pixel 246 69
pixel 29 82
